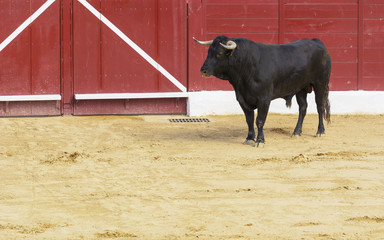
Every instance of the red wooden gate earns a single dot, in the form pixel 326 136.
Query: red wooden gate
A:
pixel 29 57
pixel 129 57
pixel 92 57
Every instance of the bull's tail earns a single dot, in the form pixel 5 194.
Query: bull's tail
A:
pixel 327 106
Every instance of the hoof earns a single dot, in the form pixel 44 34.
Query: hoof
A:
pixel 296 133
pixel 260 143
pixel 318 134
pixel 250 142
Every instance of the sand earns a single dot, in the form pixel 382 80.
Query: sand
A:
pixel 142 177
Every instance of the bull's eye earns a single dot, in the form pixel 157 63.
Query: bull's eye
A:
pixel 219 54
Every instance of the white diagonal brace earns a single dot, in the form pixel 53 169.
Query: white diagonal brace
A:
pixel 133 45
pixel 25 24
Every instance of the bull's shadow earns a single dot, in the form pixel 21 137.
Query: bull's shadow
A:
pixel 219 133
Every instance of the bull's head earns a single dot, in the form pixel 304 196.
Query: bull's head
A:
pixel 217 61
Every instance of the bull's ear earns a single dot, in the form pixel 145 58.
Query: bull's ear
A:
pixel 229 52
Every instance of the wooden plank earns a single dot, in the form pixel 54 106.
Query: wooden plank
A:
pixel 373 40
pixel 87 55
pixel 134 106
pixel 240 1
pixel 282 17
pixel 373 69
pixel 331 40
pixel 67 50
pixel 328 2
pixel 374 25
pixel 372 83
pixel 242 25
pixel 321 11
pixel 41 108
pixel 360 51
pixel 45 51
pixel 123 69
pixel 373 55
pixel 321 25
pixel 15 58
pixel 196 53
pixel 172 43
pixel 343 83
pixel 371 73
pixel 242 11
pixel 257 37
pixel 373 10
pixel 376 2
pixel 343 54
pixel 343 69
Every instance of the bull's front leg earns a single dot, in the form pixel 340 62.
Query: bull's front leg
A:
pixel 262 112
pixel 250 118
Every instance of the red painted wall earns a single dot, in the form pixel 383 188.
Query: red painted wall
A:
pixel 371 74
pixel 352 30
pixel 254 19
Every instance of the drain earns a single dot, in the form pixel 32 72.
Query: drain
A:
pixel 188 120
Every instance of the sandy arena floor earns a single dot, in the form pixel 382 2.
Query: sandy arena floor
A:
pixel 142 177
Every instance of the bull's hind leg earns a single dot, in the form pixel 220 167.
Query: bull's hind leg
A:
pixel 301 98
pixel 321 95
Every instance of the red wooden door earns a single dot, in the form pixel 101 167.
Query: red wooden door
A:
pixel 29 57
pixel 125 47
pixel 371 52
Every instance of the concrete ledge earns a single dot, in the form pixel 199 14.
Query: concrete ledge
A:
pixel 342 102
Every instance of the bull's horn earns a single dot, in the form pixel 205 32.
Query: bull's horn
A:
pixel 203 42
pixel 230 45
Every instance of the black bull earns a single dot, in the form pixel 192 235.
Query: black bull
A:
pixel 261 72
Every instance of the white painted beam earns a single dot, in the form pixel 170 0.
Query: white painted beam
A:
pixel 21 98
pixel 105 96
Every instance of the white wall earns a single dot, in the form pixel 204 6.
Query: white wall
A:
pixel 342 102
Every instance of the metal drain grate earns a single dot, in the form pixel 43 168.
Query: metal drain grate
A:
pixel 188 120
